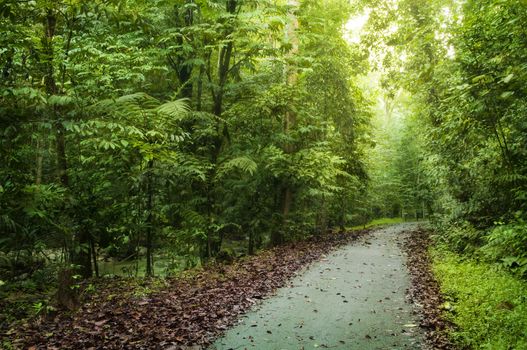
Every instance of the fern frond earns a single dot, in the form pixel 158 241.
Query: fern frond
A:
pixel 511 178
pixel 140 99
pixel 243 163
pixel 193 218
pixel 60 100
pixel 177 109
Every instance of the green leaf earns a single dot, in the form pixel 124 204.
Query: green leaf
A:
pixel 508 78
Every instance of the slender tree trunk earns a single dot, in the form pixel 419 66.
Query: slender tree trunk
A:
pixel 178 62
pixel 323 215
pixel 38 170
pixel 200 88
pixel 6 71
pixel 342 221
pixel 278 227
pixel 210 206
pixel 94 256
pixel 224 63
pixel 82 256
pixel 289 121
pixel 51 89
pixel 149 220
pixel 66 295
pixel 250 249
pixel 62 163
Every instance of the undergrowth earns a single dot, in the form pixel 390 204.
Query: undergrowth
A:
pixel 488 305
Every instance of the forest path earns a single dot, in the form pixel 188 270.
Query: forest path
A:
pixel 355 298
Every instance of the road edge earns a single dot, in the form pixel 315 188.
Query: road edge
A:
pixel 425 291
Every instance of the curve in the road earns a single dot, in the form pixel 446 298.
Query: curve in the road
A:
pixel 355 298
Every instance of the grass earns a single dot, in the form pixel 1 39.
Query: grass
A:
pixel 378 222
pixel 488 306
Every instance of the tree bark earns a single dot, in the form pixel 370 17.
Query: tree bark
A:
pixel 183 70
pixel 66 294
pixel 291 77
pixel 250 248
pixel 38 165
pixel 200 88
pixel 149 221
pixel 94 256
pixel 223 68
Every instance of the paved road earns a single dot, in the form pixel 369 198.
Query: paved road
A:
pixel 352 299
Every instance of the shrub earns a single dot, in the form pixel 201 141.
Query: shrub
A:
pixel 507 245
pixel 460 238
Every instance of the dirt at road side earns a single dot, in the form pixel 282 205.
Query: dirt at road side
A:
pixel 425 291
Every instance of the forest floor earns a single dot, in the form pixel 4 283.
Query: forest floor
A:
pixel 339 291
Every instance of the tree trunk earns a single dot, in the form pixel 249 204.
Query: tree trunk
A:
pixel 200 88
pixel 6 71
pixel 178 63
pixel 66 294
pixel 81 255
pixel 342 221
pixel 250 249
pixel 322 223
pixel 51 89
pixel 224 61
pixel 94 256
pixel 38 165
pixel 284 206
pixel 290 118
pixel 149 220
pixel 62 164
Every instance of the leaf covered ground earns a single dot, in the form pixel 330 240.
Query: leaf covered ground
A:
pixel 175 313
pixel 425 291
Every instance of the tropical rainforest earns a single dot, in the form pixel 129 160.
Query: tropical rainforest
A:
pixel 145 139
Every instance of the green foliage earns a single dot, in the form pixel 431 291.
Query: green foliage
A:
pixel 506 244
pixel 481 116
pixel 398 185
pixel 462 142
pixel 460 238
pixel 127 126
pixel 27 298
pixel 487 305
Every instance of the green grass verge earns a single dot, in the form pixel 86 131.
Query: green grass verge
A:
pixel 488 306
pixel 378 222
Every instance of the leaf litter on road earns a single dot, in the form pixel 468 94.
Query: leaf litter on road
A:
pixel 425 291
